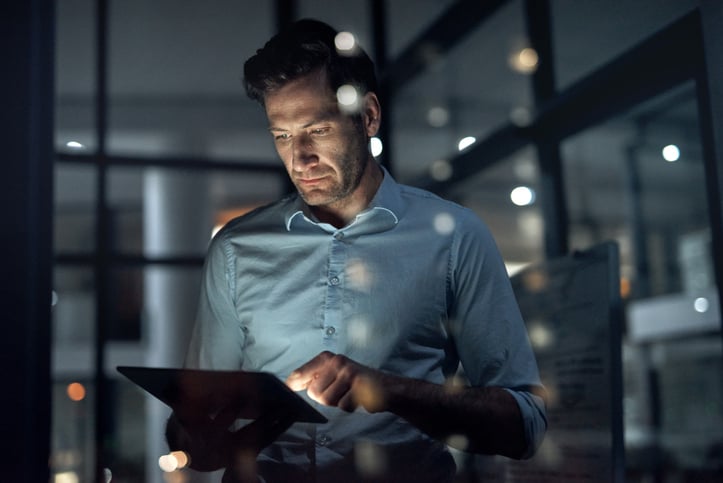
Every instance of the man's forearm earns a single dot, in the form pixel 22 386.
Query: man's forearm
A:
pixel 487 420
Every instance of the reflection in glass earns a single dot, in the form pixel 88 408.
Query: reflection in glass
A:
pixel 517 229
pixel 639 179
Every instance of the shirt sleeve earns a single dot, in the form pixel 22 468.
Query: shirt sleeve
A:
pixel 490 335
pixel 217 339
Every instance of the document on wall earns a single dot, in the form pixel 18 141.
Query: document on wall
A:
pixel 572 310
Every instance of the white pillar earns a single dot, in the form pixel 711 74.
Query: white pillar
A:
pixel 177 221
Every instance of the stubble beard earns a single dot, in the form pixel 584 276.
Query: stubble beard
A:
pixel 352 166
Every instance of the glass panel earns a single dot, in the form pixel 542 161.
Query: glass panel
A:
pixel 639 179
pixel 73 314
pixel 587 35
pixel 415 16
pixel 126 289
pixel 74 223
pixel 518 229
pixel 75 76
pixel 72 454
pixel 165 212
pixel 175 78
pixel 454 98
pixel 128 462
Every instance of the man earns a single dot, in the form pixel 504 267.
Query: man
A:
pixel 361 293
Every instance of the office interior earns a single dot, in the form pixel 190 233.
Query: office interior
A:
pixel 562 123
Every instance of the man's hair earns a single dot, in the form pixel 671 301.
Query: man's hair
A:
pixel 307 45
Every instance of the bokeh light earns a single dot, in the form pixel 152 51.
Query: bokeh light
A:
pixel 466 142
pixel 375 146
pixel 444 223
pixel 438 116
pixel 345 42
pixel 76 391
pixel 671 153
pixel 524 61
pixel 175 460
pixel 348 98
pixel 522 196
pixel 370 459
pixel 441 170
pixel 701 305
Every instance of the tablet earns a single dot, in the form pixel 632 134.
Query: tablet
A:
pixel 208 392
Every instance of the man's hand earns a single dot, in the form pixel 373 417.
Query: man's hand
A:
pixel 477 419
pixel 335 380
pixel 211 446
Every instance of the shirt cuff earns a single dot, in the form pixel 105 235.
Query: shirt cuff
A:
pixel 534 418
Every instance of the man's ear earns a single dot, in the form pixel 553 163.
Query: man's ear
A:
pixel 371 114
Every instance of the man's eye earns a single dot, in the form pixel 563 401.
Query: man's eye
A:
pixel 320 131
pixel 282 137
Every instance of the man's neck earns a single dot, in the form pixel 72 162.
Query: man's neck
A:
pixel 341 213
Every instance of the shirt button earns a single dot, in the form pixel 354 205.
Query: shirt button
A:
pixel 324 439
pixel 330 331
pixel 339 235
pixel 334 280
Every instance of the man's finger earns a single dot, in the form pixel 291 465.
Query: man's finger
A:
pixel 305 375
pixel 298 380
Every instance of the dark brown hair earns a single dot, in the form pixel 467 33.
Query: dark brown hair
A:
pixel 304 47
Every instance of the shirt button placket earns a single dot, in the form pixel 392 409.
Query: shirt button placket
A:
pixel 337 258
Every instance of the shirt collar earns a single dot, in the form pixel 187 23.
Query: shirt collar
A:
pixel 382 214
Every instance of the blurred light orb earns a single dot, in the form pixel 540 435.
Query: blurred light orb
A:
pixel 74 145
pixel 521 116
pixel 528 57
pixel 345 42
pixel 440 170
pixel 671 153
pixel 370 459
pixel 359 275
pixel 348 99
pixel 66 477
pixel 524 61
pixel 359 332
pixel 76 391
pixel 444 223
pixel 522 196
pixel 540 336
pixel 438 116
pixel 173 461
pixel 701 305
pixel 466 142
pixel 376 146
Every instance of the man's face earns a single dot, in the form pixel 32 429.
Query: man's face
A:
pixel 324 150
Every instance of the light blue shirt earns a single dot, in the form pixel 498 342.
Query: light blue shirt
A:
pixel 413 286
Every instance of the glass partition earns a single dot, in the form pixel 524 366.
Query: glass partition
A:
pixel 454 100
pixel 639 179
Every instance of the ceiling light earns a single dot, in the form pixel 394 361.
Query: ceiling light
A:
pixel 671 153
pixel 701 305
pixel 74 145
pixel 466 142
pixel 522 196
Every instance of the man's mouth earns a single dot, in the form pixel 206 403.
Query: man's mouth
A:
pixel 309 181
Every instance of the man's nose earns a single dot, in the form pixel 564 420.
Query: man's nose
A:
pixel 304 156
